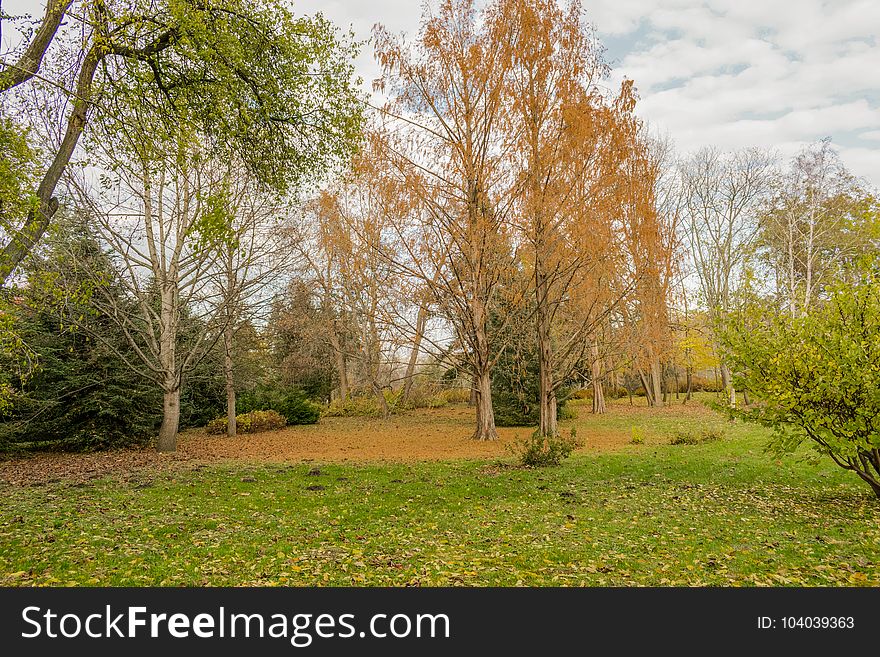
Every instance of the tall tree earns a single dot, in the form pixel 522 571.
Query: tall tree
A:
pixel 245 74
pixel 723 194
pixel 353 225
pixel 649 223
pixel 567 142
pixel 447 92
pixel 818 220
pixel 251 259
pixel 162 218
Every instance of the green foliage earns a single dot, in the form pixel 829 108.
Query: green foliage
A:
pixel 816 377
pixel 359 405
pixel 214 224
pixel 290 403
pixel 253 422
pixel 17 184
pixel 17 174
pixel 274 91
pixel 638 436
pixel 539 451
pixel 699 437
pixel 81 396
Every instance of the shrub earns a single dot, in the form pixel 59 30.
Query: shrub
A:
pixel 456 395
pixel 291 403
pixel 698 438
pixel 638 436
pixel 425 396
pixel 684 438
pixel 253 422
pixel 566 412
pixel 355 406
pixel 712 435
pixel 814 378
pixel 539 451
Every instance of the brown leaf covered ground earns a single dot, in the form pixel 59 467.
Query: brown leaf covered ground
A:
pixel 424 435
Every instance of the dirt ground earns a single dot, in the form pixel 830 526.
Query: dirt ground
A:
pixel 425 435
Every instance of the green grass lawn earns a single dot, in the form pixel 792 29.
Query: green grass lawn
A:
pixel 721 513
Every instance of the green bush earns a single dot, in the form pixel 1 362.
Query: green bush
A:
pixel 253 422
pixel 539 451
pixel 361 406
pixel 815 377
pixel 638 436
pixel 291 403
pixel 698 438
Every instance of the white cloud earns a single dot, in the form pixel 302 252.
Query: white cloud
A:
pixel 737 72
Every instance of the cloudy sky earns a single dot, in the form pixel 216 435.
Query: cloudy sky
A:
pixel 777 73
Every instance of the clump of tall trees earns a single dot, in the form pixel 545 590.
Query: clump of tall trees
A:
pixel 504 222
pixel 520 168
pixel 195 117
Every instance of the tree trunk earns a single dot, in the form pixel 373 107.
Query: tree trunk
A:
pixel 690 384
pixel 341 369
pixel 168 358
pixel 745 398
pixel 482 364
pixel 646 386
pixel 380 397
pixel 170 421
pixel 547 423
pixel 656 383
pixel 598 392
pixel 727 384
pixel 485 414
pixel 421 320
pixel 230 381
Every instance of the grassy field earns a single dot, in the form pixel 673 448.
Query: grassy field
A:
pixel 721 513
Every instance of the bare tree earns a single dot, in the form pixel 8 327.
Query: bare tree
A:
pixel 158 216
pixel 723 195
pixel 251 258
pixel 812 225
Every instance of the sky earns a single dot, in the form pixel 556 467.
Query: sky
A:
pixel 730 73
